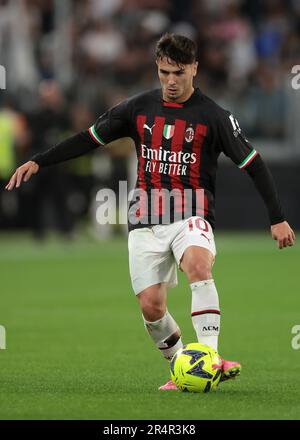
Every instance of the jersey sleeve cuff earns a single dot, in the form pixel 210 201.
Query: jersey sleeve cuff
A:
pixel 37 159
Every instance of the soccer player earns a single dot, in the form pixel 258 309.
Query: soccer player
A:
pixel 179 134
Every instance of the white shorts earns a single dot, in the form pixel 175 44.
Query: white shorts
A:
pixel 156 251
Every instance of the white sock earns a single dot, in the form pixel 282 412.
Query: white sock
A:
pixel 206 312
pixel 166 335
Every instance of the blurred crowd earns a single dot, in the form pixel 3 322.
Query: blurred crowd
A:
pixel 68 61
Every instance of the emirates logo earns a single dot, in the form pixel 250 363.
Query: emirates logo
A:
pixel 189 134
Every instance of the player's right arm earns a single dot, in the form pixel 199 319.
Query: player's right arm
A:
pixel 110 126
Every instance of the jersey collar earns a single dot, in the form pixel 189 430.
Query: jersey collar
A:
pixel 175 105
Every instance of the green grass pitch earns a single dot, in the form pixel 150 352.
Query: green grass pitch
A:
pixel 77 348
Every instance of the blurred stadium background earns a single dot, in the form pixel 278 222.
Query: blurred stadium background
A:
pixel 66 63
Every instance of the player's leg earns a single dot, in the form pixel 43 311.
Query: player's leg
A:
pixel 152 270
pixel 195 251
pixel 159 323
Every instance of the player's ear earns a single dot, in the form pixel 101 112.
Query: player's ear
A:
pixel 195 68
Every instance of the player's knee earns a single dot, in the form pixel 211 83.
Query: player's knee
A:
pixel 200 271
pixel 153 302
pixel 152 310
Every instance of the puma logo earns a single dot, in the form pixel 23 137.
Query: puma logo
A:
pixel 206 237
pixel 149 128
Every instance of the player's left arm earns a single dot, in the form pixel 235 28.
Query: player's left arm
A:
pixel 244 155
pixel 264 182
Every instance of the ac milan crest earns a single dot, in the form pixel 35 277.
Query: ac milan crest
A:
pixel 189 134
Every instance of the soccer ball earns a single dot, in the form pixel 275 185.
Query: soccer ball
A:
pixel 196 367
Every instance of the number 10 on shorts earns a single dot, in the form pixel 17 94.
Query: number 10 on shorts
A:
pixel 198 223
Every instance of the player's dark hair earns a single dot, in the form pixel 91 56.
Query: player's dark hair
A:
pixel 177 48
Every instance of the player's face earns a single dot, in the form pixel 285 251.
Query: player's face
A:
pixel 176 80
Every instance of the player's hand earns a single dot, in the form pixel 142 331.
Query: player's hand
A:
pixel 284 234
pixel 22 174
